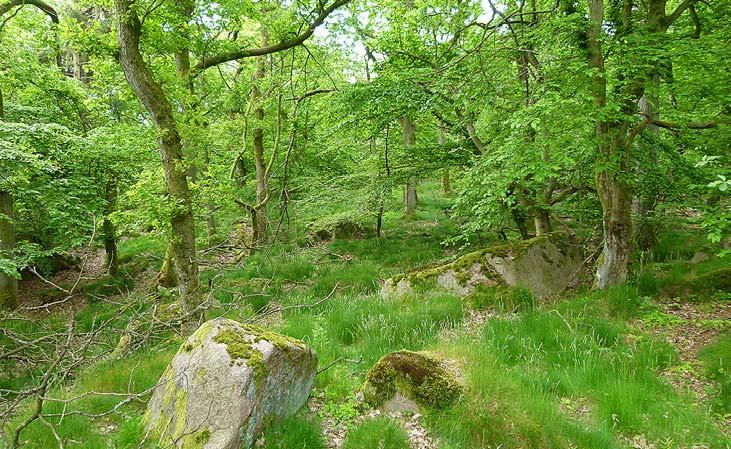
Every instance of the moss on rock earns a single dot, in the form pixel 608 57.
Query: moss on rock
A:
pixel 714 280
pixel 545 264
pixel 215 366
pixel 413 374
pixel 196 440
pixel 240 348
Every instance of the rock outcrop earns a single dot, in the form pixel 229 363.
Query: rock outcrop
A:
pixel 225 383
pixel 545 265
pixel 412 375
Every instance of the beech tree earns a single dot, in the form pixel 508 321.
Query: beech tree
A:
pixel 155 100
pixel 638 33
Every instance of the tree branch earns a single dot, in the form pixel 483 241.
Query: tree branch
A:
pixel 45 7
pixel 668 20
pixel 669 125
pixel 283 45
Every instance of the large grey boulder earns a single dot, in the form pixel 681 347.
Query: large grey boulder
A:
pixel 545 265
pixel 225 383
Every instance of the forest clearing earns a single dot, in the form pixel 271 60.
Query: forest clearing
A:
pixel 365 224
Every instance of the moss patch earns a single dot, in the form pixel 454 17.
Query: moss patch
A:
pixel 415 375
pixel 240 348
pixel 281 342
pixel 714 280
pixel 197 338
pixel 463 266
pixel 196 440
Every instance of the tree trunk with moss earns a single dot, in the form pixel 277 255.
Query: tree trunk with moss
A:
pixel 446 183
pixel 8 283
pixel 613 156
pixel 409 140
pixel 259 211
pixel 152 96
pixel 167 277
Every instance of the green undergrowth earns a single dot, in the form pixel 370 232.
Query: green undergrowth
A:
pixel 378 433
pixel 135 373
pixel 716 359
pixel 522 373
pixel 574 371
pixel 294 432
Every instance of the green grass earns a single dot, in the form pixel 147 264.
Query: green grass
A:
pixel 137 372
pixel 294 433
pixel 570 373
pixel 521 370
pixel 716 359
pixel 378 433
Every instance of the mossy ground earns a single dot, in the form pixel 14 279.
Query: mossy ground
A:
pixel 576 372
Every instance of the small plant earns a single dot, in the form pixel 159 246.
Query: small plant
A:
pixel 657 318
pixel 342 412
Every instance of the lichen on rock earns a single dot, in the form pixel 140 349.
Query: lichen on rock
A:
pixel 226 382
pixel 545 265
pixel 415 375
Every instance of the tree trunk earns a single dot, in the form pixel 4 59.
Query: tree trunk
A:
pixel 152 96
pixel 167 277
pixel 542 221
pixel 210 206
pixel 616 198
pixel 614 141
pixel 259 217
pixel 110 240
pixel 645 226
pixel 410 198
pixel 409 139
pixel 446 184
pixel 613 191
pixel 8 284
pixel 520 220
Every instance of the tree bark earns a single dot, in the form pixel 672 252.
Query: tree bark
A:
pixel 167 277
pixel 110 239
pixel 542 221
pixel 151 95
pixel 446 183
pixel 613 158
pixel 8 284
pixel 645 227
pixel 409 139
pixel 258 212
pixel 210 206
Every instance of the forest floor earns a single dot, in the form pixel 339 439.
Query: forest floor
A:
pixel 642 365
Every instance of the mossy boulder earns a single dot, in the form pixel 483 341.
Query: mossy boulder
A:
pixel 335 227
pixel 719 280
pixel 545 265
pixel 414 375
pixel 226 382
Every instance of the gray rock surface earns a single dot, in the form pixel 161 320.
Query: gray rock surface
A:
pixel 546 265
pixel 225 383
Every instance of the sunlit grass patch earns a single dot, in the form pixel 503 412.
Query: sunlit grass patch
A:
pixel 381 433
